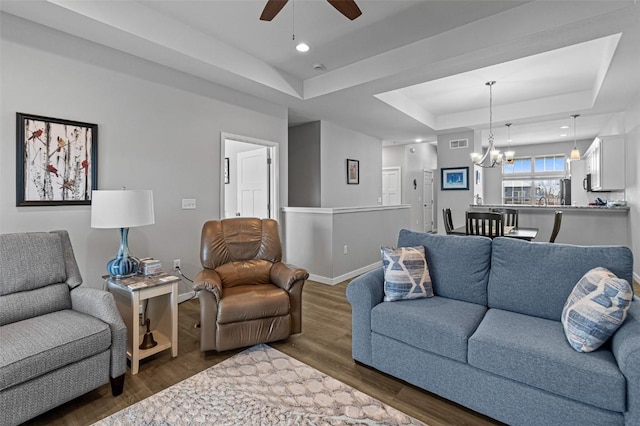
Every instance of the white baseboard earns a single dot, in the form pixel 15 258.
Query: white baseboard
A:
pixel 182 297
pixel 337 280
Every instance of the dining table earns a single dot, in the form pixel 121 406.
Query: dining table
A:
pixel 519 232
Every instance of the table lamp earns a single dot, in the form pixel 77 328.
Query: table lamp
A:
pixel 122 209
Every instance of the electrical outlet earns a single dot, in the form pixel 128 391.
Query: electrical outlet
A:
pixel 176 264
pixel 346 249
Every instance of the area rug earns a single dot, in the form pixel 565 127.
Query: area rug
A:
pixel 260 386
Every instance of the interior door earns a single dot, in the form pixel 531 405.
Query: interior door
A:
pixel 427 196
pixel 391 186
pixel 253 183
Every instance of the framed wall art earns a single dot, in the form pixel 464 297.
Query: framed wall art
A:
pixel 353 172
pixel 56 161
pixel 454 178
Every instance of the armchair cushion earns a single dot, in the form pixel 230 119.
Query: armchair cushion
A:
pixel 208 279
pixel 18 270
pixel 254 271
pixel 38 345
pixel 248 302
pixel 27 304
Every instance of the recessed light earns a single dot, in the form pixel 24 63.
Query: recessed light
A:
pixel 302 47
pixel 564 127
pixel 563 135
pixel 418 140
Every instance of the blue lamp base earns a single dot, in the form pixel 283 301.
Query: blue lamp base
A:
pixel 124 265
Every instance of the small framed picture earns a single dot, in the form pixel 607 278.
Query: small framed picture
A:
pixel 56 161
pixel 454 178
pixel 226 170
pixel 353 172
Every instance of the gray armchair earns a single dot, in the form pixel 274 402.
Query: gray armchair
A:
pixel 59 340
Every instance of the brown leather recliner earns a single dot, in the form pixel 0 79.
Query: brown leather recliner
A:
pixel 249 296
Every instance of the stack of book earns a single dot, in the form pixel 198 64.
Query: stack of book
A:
pixel 150 266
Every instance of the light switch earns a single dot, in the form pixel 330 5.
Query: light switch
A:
pixel 188 204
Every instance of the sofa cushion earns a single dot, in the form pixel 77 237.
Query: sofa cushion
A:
pixel 26 304
pixel 437 324
pixel 406 274
pixel 35 346
pixel 595 309
pixel 534 351
pixel 250 302
pixel 30 260
pixel 459 266
pixel 536 278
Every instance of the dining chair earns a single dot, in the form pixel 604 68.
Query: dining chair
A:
pixel 487 224
pixel 448 222
pixel 556 226
pixel 509 216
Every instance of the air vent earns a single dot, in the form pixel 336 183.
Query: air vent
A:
pixel 458 143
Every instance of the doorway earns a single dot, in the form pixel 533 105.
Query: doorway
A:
pixel 249 177
pixel 391 186
pixel 427 196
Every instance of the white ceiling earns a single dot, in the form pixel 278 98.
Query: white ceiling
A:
pixel 403 70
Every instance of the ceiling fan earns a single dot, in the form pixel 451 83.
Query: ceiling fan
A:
pixel 348 8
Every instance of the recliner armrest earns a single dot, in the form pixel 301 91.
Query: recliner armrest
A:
pixel 208 279
pixel 625 345
pixel 101 304
pixel 284 276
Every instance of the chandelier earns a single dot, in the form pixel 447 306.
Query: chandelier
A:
pixel 493 155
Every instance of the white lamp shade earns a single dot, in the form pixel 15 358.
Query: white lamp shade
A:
pixel 575 154
pixel 121 208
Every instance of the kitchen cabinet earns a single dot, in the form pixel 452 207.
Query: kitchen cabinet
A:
pixel 604 161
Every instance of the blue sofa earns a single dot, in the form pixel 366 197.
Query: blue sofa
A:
pixel 491 339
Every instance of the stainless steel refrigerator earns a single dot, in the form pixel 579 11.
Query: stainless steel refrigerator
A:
pixel 565 192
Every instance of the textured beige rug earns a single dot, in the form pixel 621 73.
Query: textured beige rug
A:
pixel 260 386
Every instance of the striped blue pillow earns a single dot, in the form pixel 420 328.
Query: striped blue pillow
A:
pixel 595 309
pixel 406 274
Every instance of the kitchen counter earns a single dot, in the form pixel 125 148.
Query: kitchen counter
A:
pixel 581 225
pixel 552 208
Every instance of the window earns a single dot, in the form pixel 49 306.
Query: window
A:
pixel 533 180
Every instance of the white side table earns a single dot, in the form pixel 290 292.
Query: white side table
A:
pixel 161 292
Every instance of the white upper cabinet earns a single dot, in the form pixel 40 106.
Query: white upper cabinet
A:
pixel 605 162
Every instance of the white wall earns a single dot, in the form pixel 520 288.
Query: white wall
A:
pixel 304 165
pixel 632 142
pixel 338 144
pixel 157 129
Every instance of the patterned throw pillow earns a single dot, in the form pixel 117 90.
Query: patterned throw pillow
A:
pixel 406 274
pixel 595 309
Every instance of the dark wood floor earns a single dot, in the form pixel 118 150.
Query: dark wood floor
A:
pixel 325 344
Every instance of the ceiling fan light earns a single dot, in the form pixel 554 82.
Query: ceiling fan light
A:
pixel 302 47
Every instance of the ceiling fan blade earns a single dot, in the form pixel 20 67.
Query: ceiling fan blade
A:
pixel 348 8
pixel 271 9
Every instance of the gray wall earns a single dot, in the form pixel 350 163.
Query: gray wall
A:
pixel 338 144
pixel 304 165
pixel 632 142
pixel 157 129
pixel 412 164
pixel 458 201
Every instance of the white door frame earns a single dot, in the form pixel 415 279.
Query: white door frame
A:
pixel 274 183
pixel 429 199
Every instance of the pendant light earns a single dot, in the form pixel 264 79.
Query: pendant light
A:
pixel 575 153
pixel 509 154
pixel 494 155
